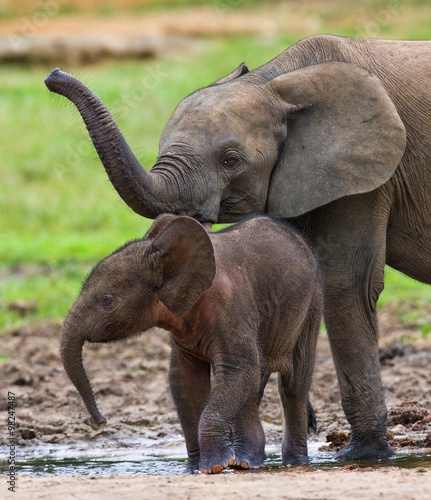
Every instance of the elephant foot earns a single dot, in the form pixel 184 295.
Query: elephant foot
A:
pixel 295 455
pixel 191 470
pixel 248 460
pixel 192 464
pixel 295 460
pixel 215 459
pixel 217 468
pixel 356 450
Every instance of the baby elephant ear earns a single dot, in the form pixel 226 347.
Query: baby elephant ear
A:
pixel 239 71
pixel 187 263
pixel 160 224
pixel 344 136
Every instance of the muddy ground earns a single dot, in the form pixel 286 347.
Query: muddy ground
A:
pixel 131 388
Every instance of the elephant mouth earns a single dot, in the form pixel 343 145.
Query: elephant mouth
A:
pixel 239 205
pixel 105 341
pixel 204 219
pixel 230 217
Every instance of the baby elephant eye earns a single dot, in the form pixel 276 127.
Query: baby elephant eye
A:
pixel 108 302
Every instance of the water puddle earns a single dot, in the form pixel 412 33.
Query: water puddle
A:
pixel 71 467
pixel 404 461
pixel 61 460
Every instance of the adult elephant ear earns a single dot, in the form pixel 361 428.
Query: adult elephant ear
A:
pixel 344 137
pixel 186 262
pixel 236 73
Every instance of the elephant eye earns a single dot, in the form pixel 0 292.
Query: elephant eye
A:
pixel 230 161
pixel 108 302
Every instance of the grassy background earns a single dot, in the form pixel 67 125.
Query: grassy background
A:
pixel 59 213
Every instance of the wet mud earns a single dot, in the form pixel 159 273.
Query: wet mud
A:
pixel 131 388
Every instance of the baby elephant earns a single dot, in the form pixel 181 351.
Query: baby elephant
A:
pixel 241 303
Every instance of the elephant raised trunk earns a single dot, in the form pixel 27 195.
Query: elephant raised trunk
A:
pixel 71 356
pixel 144 192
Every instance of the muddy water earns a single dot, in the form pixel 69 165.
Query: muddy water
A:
pixel 60 460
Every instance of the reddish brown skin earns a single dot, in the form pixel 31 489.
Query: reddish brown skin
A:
pixel 242 303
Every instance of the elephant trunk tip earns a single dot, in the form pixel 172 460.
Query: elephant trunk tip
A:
pixel 94 412
pixel 99 419
pixel 55 78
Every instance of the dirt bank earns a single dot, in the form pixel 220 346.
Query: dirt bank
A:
pixel 343 484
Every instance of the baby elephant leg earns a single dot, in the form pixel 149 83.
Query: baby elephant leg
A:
pixel 295 409
pixel 230 421
pixel 190 387
pixel 249 437
pixel 248 434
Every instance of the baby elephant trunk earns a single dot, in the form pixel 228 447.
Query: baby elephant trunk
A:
pixel 71 356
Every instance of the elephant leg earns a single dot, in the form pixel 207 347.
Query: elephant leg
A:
pixel 294 400
pixel 294 386
pixel 249 436
pixel 352 265
pixel 232 408
pixel 248 433
pixel 190 385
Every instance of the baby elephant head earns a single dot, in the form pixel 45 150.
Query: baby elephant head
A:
pixel 164 273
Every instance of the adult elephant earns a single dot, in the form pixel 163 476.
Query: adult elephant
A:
pixel 333 134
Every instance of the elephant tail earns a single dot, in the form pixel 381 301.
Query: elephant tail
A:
pixel 312 422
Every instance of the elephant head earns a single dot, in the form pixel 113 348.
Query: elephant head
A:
pixel 148 282
pixel 244 146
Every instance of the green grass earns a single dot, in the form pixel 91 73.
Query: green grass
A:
pixel 57 206
pixel 409 300
pixel 52 289
pixel 59 214
pixel 400 289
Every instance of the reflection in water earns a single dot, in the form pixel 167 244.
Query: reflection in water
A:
pixel 406 461
pixel 51 466
pixel 70 467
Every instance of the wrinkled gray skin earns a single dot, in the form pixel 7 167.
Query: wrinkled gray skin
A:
pixel 244 302
pixel 333 134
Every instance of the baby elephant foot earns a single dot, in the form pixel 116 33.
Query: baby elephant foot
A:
pixel 292 458
pixel 216 462
pixel 249 460
pixel 192 467
pixel 217 468
pixel 296 461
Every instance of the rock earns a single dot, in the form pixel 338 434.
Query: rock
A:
pixel 407 413
pixel 397 429
pixel 27 433
pixel 395 349
pixel 337 440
